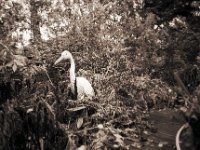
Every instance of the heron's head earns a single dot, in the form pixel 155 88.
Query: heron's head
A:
pixel 64 56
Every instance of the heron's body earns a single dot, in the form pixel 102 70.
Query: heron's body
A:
pixel 83 87
pixel 79 86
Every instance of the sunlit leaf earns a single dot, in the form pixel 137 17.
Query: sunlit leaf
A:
pixel 100 126
pixel 119 139
pixel 20 60
pixel 14 67
pixel 79 122
pixel 29 110
pixel 82 147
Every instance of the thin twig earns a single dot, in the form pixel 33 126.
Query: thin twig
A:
pixel 48 106
pixel 181 84
pixel 49 79
pixel 178 135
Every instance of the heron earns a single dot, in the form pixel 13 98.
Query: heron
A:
pixel 79 87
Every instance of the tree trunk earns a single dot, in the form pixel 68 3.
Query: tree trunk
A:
pixel 35 20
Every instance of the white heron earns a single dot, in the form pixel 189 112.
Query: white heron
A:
pixel 79 86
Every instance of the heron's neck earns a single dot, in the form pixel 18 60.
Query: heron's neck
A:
pixel 72 70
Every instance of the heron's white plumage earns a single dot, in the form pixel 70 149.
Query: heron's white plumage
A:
pixel 78 85
pixel 84 88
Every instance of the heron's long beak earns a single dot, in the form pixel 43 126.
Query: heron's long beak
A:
pixel 58 60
